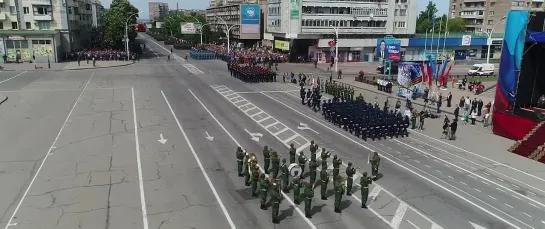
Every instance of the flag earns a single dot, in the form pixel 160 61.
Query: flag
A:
pixel 424 72
pixel 430 75
pixel 448 73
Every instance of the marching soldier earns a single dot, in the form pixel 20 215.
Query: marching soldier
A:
pixel 313 148
pixel 350 171
pixel 375 161
pixel 339 190
pixel 302 162
pixel 313 166
pixel 364 182
pixel 308 193
pixel 336 166
pixel 240 161
pixel 255 178
pixel 275 160
pixel 285 176
pixel 246 170
pixel 276 199
pixel 296 186
pixel 324 179
pixel 324 157
pixel 267 158
pixel 264 188
pixel 292 153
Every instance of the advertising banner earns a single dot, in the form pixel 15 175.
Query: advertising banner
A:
pixel 295 9
pixel 409 76
pixel 149 25
pixel 250 19
pixel 466 40
pixel 159 25
pixel 190 28
pixel 282 45
pixel 389 49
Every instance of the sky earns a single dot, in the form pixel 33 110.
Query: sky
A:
pixel 442 5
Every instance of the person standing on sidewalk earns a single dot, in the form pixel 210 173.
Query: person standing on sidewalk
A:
pixel 339 74
pixel 449 99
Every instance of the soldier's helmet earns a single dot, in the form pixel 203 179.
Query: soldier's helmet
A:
pixel 262 176
pixel 349 163
pixel 239 148
pixel 375 153
pixel 266 147
pixel 283 160
pixel 312 142
pixel 291 145
pixel 325 101
pixel 301 153
pixel 335 156
pixel 364 174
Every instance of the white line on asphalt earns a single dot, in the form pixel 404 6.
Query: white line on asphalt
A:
pixel 484 182
pixel 427 166
pixel 469 175
pixel 473 168
pixel 526 214
pixel 463 183
pixel 139 164
pixel 543 222
pixel 412 171
pixel 494 198
pixel 417 161
pixel 412 224
pixel 153 51
pixel 483 157
pixel 238 144
pixel 47 154
pixel 534 205
pixel 438 171
pixel 477 190
pixel 398 216
pixel 398 152
pixel 447 165
pixel 501 190
pixel 485 173
pixel 59 90
pixel 460 171
pixel 481 177
pixel 8 79
pixel 514 185
pixel 531 193
pixel 220 202
pixel 258 92
pixel 516 197
pixel 450 177
pixel 508 205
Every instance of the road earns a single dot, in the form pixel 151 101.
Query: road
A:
pixel 152 146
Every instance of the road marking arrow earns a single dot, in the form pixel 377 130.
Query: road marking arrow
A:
pixel 254 136
pixel 210 138
pixel 162 140
pixel 303 126
pixel 476 226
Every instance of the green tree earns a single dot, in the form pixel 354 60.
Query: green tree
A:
pixel 115 19
pixel 424 19
pixel 173 27
pixel 424 22
pixel 456 25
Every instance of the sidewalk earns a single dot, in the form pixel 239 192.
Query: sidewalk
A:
pixel 73 65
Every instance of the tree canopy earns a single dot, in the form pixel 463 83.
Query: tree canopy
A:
pixel 424 21
pixel 116 18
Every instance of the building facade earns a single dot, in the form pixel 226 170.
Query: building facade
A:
pixel 44 30
pixel 483 15
pixel 245 21
pixel 188 12
pixel 157 10
pixel 309 25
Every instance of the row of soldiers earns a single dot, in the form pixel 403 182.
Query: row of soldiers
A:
pixel 202 54
pixel 339 91
pixel 279 177
pixel 251 74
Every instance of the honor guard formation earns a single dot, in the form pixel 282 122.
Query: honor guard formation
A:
pixel 251 74
pixel 277 176
pixel 201 54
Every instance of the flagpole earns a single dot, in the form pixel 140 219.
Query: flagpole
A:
pixel 445 41
pixel 438 46
pixel 426 44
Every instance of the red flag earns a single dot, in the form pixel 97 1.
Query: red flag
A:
pixel 424 73
pixel 430 76
pixel 447 74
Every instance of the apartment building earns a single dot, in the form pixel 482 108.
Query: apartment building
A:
pixel 157 10
pixel 45 30
pixel 188 11
pixel 483 15
pixel 237 16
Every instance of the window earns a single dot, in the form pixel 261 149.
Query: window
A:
pixel 26 10
pixel 12 10
pixel 69 10
pixel 1 25
pixel 489 30
pixel 399 24
pixel 40 10
pixel 403 12
pixel 28 25
pixel 490 22
pixel 492 4
pixel 88 6
pixel 44 25
pixel 490 13
pixel 14 25
pixel 76 10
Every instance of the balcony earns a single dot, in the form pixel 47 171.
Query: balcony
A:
pixel 41 2
pixel 43 18
pixel 352 30
pixel 472 16
pixel 466 1
pixel 343 17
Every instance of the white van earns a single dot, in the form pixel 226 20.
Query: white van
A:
pixel 481 70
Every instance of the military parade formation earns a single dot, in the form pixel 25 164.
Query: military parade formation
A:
pixel 251 73
pixel 276 179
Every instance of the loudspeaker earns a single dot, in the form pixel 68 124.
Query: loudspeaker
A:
pixel 537 22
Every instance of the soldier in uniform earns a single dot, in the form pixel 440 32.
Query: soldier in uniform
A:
pixel 267 158
pixel 308 194
pixel 413 121
pixel 292 153
pixel 240 161
pixel 350 171
pixel 375 161
pixel 336 166
pixel 264 188
pixel 324 157
pixel 255 178
pixel 339 190
pixel 324 180
pixel 246 170
pixel 364 182
pixel 296 186
pixel 302 162
pixel 313 166
pixel 276 199
pixel 313 148
pixel 285 176
pixel 275 160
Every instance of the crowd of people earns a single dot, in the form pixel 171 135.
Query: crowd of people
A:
pixel 251 73
pixel 246 55
pixel 101 55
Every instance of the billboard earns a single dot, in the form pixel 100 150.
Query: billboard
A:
pixel 282 45
pixel 250 19
pixel 295 6
pixel 159 25
pixel 389 48
pixel 190 28
pixel 149 25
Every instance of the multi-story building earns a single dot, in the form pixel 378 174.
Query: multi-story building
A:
pixel 157 10
pixel 44 30
pixel 483 15
pixel 187 12
pixel 308 26
pixel 220 16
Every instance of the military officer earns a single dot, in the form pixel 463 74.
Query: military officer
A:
pixel 302 162
pixel 339 191
pixel 276 199
pixel 240 161
pixel 275 160
pixel 364 182
pixel 267 158
pixel 296 186
pixel 246 170
pixel 336 166
pixel 313 166
pixel 350 171
pixel 324 180
pixel 313 148
pixel 264 188
pixel 255 178
pixel 375 161
pixel 292 153
pixel 308 194
pixel 324 157
pixel 285 176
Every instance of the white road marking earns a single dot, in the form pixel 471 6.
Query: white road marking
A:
pixel 427 166
pixel 398 216
pixel 139 164
pixel 191 68
pixel 281 131
pixel 508 205
pixel 238 144
pixel 473 168
pixel 220 202
pixel 469 175
pixel 460 171
pixel 501 190
pixel 447 165
pixel 256 114
pixel 494 198
pixel 531 193
pixel 533 205
pixel 516 197
pixel 477 190
pixel 485 173
pixel 439 171
pixel 450 177
pixel 526 214
pixel 515 186
pixel 484 182
pixel 417 161
pixel 543 222
pixel 272 124
pixel 412 224
pixel 8 79
pixel 47 154
pixel 502 180
pixel 153 51
pixel 463 183
pixel 261 120
pixel 398 152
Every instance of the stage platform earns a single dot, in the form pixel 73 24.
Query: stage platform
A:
pixel 511 125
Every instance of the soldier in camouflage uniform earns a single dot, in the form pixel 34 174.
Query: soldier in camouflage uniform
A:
pixel 302 162
pixel 364 182
pixel 275 161
pixel 336 166
pixel 276 199
pixel 292 153
pixel 264 188
pixel 339 190
pixel 324 180
pixel 308 193
pixel 285 176
pixel 266 158
pixel 255 178
pixel 350 171
pixel 296 186
pixel 313 166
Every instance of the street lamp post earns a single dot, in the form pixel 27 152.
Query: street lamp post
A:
pixel 336 47
pixel 200 30
pixel 227 32
pixel 127 34
pixel 489 40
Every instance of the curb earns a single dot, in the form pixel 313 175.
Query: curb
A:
pixel 71 69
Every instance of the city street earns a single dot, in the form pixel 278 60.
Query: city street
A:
pixel 152 145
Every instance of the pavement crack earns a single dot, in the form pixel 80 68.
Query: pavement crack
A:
pixel 107 225
pixel 157 170
pixel 90 177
